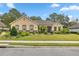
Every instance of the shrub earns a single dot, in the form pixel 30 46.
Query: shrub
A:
pixel 42 29
pixel 13 32
pixel 52 32
pixel 65 30
pixel 45 32
pixel 33 32
pixel 24 33
pixel 74 32
pixel 59 32
pixel 6 34
pixel 77 33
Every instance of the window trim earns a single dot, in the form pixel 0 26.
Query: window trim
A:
pixel 17 27
pixel 55 28
pixel 59 28
pixel 24 27
pixel 31 27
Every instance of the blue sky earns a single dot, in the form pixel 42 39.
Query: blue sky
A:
pixel 43 9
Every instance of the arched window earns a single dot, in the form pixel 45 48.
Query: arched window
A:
pixel 17 27
pixel 55 28
pixel 24 27
pixel 31 27
pixel 59 28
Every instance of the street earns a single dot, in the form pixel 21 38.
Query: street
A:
pixel 40 51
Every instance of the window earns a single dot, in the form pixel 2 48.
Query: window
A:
pixel 17 27
pixel 23 27
pixel 55 28
pixel 31 27
pixel 59 28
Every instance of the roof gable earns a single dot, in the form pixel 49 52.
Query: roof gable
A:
pixel 20 18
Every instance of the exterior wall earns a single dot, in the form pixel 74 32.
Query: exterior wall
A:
pixel 74 30
pixel 57 26
pixel 24 22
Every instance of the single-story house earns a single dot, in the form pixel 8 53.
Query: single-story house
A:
pixel 3 26
pixel 24 23
pixel 74 28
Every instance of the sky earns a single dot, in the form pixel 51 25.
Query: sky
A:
pixel 43 9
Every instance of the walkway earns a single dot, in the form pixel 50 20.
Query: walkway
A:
pixel 8 41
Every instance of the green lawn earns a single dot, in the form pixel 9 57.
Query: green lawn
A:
pixel 40 44
pixel 45 44
pixel 64 37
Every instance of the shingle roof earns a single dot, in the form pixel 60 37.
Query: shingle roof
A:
pixel 74 26
pixel 43 22
pixel 38 22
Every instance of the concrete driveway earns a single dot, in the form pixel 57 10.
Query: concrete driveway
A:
pixel 40 51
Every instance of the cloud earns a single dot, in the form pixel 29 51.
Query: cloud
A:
pixel 70 8
pixel 55 5
pixel 70 16
pixel 10 5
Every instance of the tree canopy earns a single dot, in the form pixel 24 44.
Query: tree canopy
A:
pixel 12 15
pixel 58 18
pixel 35 18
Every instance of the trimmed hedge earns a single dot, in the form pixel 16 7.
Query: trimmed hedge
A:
pixel 24 33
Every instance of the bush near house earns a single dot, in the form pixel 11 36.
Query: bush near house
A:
pixel 5 34
pixel 24 33
pixel 42 29
pixel 58 32
pixel 51 32
pixel 65 30
pixel 13 32
pixel 77 33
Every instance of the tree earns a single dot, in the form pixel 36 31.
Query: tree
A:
pixel 66 19
pixel 35 18
pixel 15 13
pixel 23 14
pixel 53 17
pixel 72 23
pixel 13 31
pixel 61 18
pixel 12 15
pixel 65 30
pixel 77 20
pixel 47 19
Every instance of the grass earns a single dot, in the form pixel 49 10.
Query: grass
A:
pixel 43 37
pixel 42 44
pixel 45 44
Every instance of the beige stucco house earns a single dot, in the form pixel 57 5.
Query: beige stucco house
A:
pixel 26 24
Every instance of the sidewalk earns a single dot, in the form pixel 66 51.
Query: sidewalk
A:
pixel 8 41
